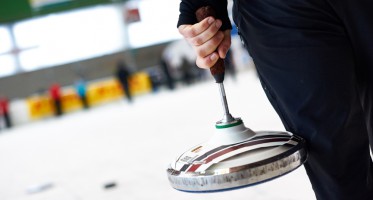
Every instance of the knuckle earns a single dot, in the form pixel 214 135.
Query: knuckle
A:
pixel 220 35
pixel 187 32
pixel 196 41
pixel 182 30
pixel 192 32
pixel 218 39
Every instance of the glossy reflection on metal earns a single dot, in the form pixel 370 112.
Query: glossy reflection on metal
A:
pixel 221 177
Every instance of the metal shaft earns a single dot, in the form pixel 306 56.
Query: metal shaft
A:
pixel 227 116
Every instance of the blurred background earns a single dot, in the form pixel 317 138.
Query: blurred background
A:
pixel 98 96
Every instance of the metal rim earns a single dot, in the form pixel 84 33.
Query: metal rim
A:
pixel 240 176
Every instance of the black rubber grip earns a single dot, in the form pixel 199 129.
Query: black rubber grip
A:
pixel 218 70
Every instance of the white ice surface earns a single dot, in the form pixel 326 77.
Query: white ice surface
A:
pixel 132 144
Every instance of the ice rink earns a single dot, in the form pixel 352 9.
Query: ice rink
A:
pixel 74 156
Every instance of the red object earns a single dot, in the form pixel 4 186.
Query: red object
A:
pixel 132 15
pixel 55 91
pixel 4 106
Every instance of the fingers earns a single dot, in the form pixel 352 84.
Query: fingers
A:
pixel 208 61
pixel 206 35
pixel 192 31
pixel 210 45
pixel 207 41
pixel 201 32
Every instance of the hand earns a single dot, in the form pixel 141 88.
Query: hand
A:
pixel 207 40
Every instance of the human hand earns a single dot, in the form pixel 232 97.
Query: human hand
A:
pixel 207 40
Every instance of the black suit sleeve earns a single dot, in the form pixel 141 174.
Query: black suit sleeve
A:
pixel 189 7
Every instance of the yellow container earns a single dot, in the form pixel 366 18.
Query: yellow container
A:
pixel 40 106
pixel 104 91
pixel 70 101
pixel 140 83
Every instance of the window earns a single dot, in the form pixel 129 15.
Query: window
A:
pixel 5 40
pixel 7 62
pixel 66 37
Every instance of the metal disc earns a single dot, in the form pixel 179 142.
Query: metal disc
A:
pixel 248 168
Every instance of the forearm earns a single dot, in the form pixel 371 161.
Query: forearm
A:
pixel 188 8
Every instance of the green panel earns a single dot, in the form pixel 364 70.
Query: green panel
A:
pixel 68 5
pixel 15 10
pixel 12 10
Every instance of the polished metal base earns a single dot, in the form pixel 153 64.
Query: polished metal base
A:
pixel 263 157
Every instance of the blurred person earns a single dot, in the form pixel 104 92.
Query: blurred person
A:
pixel 4 111
pixel 166 70
pixel 55 94
pixel 190 72
pixel 313 58
pixel 187 76
pixel 80 87
pixel 1 120
pixel 122 73
pixel 156 78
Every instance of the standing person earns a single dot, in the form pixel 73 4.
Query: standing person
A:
pixel 123 74
pixel 80 86
pixel 55 93
pixel 166 70
pixel 314 61
pixel 1 119
pixel 187 76
pixel 4 111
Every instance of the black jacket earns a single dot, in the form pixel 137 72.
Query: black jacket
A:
pixel 189 7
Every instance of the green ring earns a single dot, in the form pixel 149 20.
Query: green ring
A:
pixel 228 125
